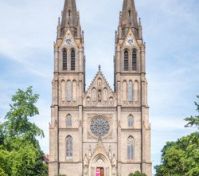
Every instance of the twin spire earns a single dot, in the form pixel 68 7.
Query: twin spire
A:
pixel 129 20
pixel 129 14
pixel 70 18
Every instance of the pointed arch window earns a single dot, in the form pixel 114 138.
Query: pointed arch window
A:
pixel 69 91
pixel 136 91
pixel 64 56
pixel 124 90
pixel 94 94
pixel 69 13
pixel 72 59
pixel 130 121
pixel 130 148
pixel 68 120
pixel 129 11
pixel 74 90
pixel 69 147
pixel 130 91
pixel 63 90
pixel 134 60
pixel 126 60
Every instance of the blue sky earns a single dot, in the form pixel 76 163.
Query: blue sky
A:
pixel 171 33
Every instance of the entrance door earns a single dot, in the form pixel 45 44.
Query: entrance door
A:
pixel 100 171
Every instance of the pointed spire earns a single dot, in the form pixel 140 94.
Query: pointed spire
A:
pixel 70 4
pixel 70 18
pixel 129 17
pixel 140 28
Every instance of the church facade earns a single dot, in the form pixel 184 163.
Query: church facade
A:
pixel 99 131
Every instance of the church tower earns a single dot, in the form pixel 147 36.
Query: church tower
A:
pixel 99 131
pixel 67 92
pixel 131 89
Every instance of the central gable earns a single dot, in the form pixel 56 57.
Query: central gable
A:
pixel 99 92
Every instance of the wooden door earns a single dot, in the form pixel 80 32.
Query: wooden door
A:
pixel 101 171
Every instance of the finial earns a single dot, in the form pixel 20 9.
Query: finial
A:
pixel 99 67
pixel 139 21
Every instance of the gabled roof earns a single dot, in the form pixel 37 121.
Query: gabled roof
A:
pixel 99 74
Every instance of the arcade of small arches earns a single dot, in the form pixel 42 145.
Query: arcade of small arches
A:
pixel 68 90
pixel 99 95
pixel 130 90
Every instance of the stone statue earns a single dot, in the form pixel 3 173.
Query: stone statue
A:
pixel 114 162
pixel 85 160
pixel 99 95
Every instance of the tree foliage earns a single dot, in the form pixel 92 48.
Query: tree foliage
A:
pixel 137 173
pixel 193 120
pixel 181 157
pixel 20 153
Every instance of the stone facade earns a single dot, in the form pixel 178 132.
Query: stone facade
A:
pixel 99 131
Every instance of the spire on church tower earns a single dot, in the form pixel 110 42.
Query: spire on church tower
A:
pixel 70 19
pixel 128 18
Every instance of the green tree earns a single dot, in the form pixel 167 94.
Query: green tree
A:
pixel 2 172
pixel 181 158
pixel 137 173
pixel 193 120
pixel 20 153
pixel 22 108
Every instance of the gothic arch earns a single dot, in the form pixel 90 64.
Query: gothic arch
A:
pixel 136 91
pixel 63 91
pixel 130 91
pixel 126 60
pixel 64 59
pixel 100 160
pixel 134 59
pixel 99 82
pixel 130 148
pixel 69 147
pixel 94 94
pixel 130 121
pixel 73 59
pixel 124 90
pixel 68 120
pixel 69 91
pixel 105 94
pixel 74 90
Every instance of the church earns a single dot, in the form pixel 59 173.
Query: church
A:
pixel 99 131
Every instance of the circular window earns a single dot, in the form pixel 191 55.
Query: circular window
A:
pixel 99 126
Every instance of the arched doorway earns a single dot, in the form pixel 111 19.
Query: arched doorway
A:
pixel 100 166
